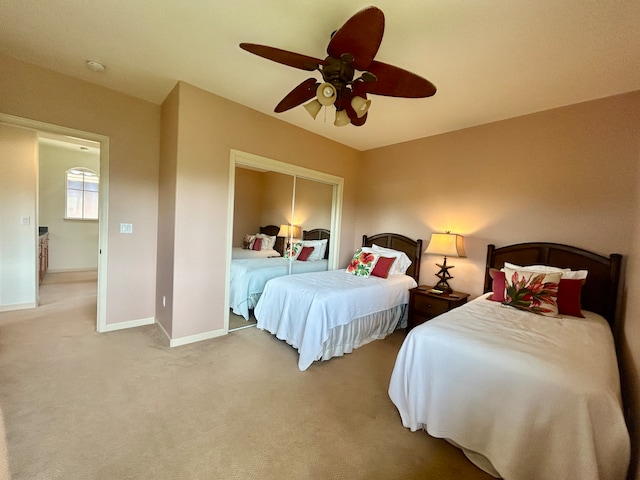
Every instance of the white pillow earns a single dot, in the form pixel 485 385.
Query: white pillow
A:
pixel 402 262
pixel 319 249
pixel 268 241
pixel 566 272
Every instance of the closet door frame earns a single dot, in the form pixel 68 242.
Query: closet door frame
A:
pixel 244 159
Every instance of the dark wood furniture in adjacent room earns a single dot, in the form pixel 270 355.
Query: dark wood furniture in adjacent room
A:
pixel 424 305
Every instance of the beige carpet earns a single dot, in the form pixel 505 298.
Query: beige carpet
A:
pixel 123 405
pixel 237 322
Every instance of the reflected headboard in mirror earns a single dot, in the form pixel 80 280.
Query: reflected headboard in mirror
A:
pixel 318 234
pixel 272 231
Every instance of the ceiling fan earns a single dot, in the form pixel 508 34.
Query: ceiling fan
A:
pixel 351 49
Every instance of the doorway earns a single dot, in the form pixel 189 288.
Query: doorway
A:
pixel 101 143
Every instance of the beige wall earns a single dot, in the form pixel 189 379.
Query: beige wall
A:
pixel 18 201
pixel 247 210
pixel 568 175
pixel 208 128
pixel 274 205
pixel 133 128
pixel 73 244
pixel 264 198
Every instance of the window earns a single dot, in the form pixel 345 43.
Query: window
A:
pixel 82 194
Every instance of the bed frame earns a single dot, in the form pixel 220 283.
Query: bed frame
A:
pixel 599 293
pixel 413 248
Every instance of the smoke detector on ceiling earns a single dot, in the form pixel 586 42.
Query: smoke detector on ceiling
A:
pixel 95 66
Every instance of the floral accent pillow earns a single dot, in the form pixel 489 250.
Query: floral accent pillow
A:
pixel 362 263
pixel 536 292
pixel 293 251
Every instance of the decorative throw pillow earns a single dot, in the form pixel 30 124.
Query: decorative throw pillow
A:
pixel 362 263
pixel 536 292
pixel 569 291
pixel 400 267
pixel 293 251
pixel 499 285
pixel 268 241
pixel 247 243
pixel 303 256
pixel 383 265
pixel 257 243
pixel 320 247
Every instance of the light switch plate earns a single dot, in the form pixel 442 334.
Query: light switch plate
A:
pixel 126 228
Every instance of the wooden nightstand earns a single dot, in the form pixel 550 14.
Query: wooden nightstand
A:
pixel 424 305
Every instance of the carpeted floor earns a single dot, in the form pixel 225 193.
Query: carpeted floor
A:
pixel 237 322
pixel 123 405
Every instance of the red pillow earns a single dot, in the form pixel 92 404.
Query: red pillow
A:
pixel 304 254
pixel 499 285
pixel 257 244
pixel 383 265
pixel 569 297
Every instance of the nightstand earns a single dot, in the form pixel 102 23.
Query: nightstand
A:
pixel 424 305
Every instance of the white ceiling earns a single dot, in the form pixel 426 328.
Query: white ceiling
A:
pixel 490 59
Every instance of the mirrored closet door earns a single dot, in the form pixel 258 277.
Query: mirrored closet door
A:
pixel 297 206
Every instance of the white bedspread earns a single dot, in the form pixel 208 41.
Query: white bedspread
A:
pixel 243 253
pixel 539 397
pixel 248 277
pixel 302 309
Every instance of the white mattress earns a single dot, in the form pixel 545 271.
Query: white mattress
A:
pixel 538 397
pixel 248 277
pixel 304 309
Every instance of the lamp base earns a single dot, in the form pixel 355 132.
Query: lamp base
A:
pixel 444 276
pixel 443 286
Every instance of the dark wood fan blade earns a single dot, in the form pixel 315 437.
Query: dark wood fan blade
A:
pixel 396 82
pixel 285 57
pixel 303 92
pixel 360 36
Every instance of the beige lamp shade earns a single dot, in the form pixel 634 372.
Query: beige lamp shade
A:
pixel 326 94
pixel 342 118
pixel 360 105
pixel 446 244
pixel 313 107
pixel 290 231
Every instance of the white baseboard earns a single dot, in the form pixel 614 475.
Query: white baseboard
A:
pixel 177 342
pixel 17 306
pixel 70 270
pixel 130 324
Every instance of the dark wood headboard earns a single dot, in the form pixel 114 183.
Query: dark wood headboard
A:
pixel 272 230
pixel 318 234
pixel 413 248
pixel 600 291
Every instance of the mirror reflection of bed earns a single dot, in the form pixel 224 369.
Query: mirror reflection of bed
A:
pixel 265 199
pixel 249 274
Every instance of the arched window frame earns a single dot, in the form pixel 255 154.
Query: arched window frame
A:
pixel 82 188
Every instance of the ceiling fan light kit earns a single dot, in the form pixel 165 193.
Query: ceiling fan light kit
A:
pixel 351 49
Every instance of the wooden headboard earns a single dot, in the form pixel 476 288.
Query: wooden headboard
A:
pixel 272 230
pixel 318 234
pixel 413 248
pixel 600 291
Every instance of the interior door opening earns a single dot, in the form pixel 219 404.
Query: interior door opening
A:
pixel 53 140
